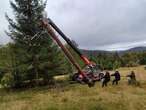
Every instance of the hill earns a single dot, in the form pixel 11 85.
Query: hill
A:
pixel 137 49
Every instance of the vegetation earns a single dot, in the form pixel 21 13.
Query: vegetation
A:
pixel 32 56
pixel 114 60
pixel 79 97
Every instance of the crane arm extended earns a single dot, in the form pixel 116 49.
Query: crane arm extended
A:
pixel 67 53
pixel 84 58
pixel 50 27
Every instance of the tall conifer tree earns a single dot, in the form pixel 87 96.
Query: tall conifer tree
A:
pixel 37 56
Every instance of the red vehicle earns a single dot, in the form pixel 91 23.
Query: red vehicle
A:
pixel 90 73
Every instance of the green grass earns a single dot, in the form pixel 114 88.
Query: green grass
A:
pixel 79 97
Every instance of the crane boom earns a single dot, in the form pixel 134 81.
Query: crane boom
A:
pixel 85 59
pixel 83 76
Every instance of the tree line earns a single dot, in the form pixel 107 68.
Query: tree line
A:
pixel 114 60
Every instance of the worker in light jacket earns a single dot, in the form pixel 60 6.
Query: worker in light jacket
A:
pixel 105 79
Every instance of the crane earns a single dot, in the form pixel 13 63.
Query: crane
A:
pixel 88 75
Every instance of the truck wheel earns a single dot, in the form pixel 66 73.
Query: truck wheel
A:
pixel 75 76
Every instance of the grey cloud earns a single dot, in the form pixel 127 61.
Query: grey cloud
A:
pixel 125 45
pixel 95 24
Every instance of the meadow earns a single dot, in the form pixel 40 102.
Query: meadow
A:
pixel 65 96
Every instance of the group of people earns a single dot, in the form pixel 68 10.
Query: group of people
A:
pixel 117 77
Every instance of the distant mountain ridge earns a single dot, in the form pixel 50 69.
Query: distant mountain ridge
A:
pixel 94 52
pixel 137 49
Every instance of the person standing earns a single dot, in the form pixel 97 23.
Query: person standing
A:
pixel 105 79
pixel 131 78
pixel 117 78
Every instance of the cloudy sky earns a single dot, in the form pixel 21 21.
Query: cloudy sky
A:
pixel 94 24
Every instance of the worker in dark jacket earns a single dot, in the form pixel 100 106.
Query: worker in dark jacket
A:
pixel 117 78
pixel 131 78
pixel 105 79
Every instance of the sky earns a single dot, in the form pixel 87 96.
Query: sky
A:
pixel 93 24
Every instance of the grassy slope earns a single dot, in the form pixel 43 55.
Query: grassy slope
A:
pixel 80 97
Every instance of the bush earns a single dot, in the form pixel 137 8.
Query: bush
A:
pixel 131 64
pixel 7 80
pixel 109 66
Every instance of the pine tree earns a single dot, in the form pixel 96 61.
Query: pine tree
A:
pixel 37 55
